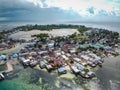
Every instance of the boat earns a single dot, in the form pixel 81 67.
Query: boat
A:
pixel 2 77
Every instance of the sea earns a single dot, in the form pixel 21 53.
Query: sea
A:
pixel 113 26
pixel 107 76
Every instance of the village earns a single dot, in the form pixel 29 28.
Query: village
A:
pixel 78 53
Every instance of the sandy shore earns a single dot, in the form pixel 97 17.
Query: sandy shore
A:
pixel 55 32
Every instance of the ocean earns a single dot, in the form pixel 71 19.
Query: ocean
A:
pixel 113 26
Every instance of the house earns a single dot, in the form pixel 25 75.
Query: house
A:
pixel 33 53
pixel 43 52
pixel 91 64
pixel 42 64
pixel 51 45
pixel 33 63
pixel 15 55
pixel 75 69
pixel 77 59
pixel 90 74
pixel 3 57
pixel 73 50
pixel 31 43
pixel 62 70
pixel 68 55
pixel 84 63
pixel 85 57
pixel 49 67
pixel 57 53
pixel 63 56
pixel 24 61
pixel 80 67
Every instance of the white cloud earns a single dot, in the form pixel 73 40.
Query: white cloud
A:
pixel 81 6
pixel 36 2
pixel 3 18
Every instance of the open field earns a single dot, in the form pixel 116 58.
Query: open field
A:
pixel 55 32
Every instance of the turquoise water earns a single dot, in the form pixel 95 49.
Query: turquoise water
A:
pixel 2 67
pixel 32 79
pixel 24 80
pixel 16 84
pixel 108 78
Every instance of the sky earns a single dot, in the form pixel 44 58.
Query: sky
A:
pixel 59 10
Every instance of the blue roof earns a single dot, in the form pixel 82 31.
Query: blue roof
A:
pixel 51 45
pixel 31 43
pixel 15 55
pixel 62 69
pixel 42 63
pixel 2 57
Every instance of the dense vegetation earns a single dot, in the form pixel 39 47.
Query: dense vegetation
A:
pixel 82 29
pixel 3 33
pixel 42 37
pixel 48 27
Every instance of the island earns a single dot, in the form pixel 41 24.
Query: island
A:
pixel 66 50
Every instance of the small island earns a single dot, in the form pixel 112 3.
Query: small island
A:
pixel 59 49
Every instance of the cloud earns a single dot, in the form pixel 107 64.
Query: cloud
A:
pixel 81 6
pixel 91 10
pixel 36 2
pixel 59 10
pixel 3 19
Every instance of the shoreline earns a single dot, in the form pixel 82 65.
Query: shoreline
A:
pixel 103 25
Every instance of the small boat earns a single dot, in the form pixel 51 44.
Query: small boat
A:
pixel 2 77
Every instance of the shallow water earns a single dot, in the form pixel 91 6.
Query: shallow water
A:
pixel 28 79
pixel 2 67
pixel 33 79
pixel 108 78
pixel 109 74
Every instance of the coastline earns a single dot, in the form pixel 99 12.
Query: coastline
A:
pixel 112 26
